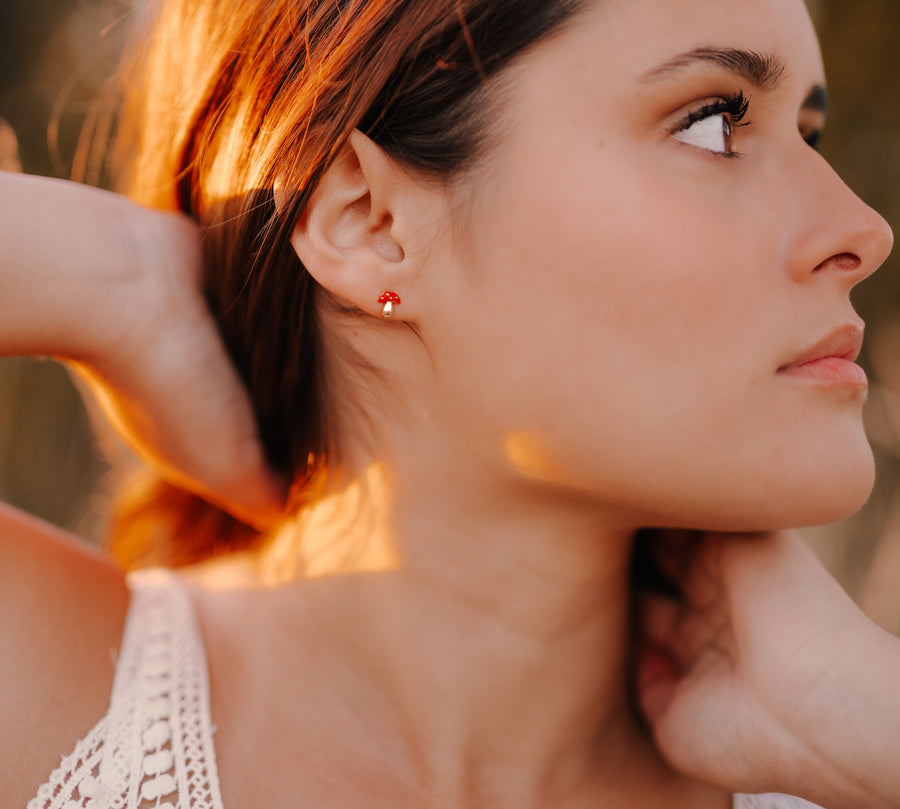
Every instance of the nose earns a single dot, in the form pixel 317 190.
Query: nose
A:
pixel 839 234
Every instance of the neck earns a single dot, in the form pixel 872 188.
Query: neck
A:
pixel 490 634
pixel 473 636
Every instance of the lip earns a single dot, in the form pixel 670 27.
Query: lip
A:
pixel 832 360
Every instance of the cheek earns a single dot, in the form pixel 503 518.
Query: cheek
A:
pixel 606 279
pixel 635 331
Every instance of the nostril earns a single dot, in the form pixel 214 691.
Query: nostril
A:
pixel 843 261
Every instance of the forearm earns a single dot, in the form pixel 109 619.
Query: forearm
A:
pixel 93 278
pixel 69 267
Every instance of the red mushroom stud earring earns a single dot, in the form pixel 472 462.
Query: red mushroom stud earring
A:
pixel 389 299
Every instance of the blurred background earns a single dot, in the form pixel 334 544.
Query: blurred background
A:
pixel 55 56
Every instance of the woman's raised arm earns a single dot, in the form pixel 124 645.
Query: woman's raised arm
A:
pixel 114 290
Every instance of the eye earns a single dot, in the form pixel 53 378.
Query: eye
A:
pixel 712 133
pixel 712 126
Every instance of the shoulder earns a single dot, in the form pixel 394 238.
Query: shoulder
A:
pixel 62 613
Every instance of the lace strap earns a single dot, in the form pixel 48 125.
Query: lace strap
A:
pixel 159 749
pixel 74 782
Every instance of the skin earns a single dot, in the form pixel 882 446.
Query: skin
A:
pixel 602 311
pixel 767 666
pixel 115 292
pixel 147 333
pixel 656 289
pixel 502 530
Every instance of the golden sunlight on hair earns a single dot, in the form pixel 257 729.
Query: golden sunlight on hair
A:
pixel 364 545
pixel 182 60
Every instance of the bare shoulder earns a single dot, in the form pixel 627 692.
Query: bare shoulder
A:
pixel 62 613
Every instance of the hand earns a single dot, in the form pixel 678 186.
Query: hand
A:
pixel 163 379
pixel 739 679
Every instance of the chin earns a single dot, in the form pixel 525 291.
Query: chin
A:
pixel 839 485
pixel 822 494
pixel 840 503
pixel 818 491
pixel 824 475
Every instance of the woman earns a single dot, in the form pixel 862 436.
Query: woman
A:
pixel 506 283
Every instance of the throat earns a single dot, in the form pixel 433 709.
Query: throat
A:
pixel 388 705
pixel 486 665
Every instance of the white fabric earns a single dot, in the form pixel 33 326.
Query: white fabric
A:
pixel 771 802
pixel 154 748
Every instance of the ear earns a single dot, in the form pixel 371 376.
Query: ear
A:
pixel 351 237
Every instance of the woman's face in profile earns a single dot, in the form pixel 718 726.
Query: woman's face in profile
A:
pixel 657 272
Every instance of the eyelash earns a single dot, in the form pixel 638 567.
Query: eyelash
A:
pixel 814 139
pixel 734 106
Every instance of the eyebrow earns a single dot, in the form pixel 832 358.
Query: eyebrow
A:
pixel 763 70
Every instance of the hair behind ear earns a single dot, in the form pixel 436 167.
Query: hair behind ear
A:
pixel 222 99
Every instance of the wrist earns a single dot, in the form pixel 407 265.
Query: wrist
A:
pixel 67 268
pixel 150 282
pixel 117 282
pixel 846 726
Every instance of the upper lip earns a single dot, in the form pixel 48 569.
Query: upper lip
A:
pixel 844 343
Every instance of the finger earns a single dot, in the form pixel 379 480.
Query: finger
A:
pixel 217 453
pixel 681 631
pixel 195 426
pixel 216 425
pixel 692 561
pixel 658 619
pixel 658 663
pixel 670 552
pixel 657 676
pixel 253 493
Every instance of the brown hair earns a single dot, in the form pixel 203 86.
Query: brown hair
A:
pixel 227 96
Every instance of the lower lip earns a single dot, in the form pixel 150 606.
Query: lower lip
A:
pixel 830 371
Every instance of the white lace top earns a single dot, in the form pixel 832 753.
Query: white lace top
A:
pixel 154 748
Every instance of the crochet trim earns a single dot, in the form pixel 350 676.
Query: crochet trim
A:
pixel 154 748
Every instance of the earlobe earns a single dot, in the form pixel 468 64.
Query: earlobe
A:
pixel 347 237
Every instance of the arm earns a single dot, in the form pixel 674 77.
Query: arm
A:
pixel 766 677
pixel 67 263
pixel 115 290
pixel 855 725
